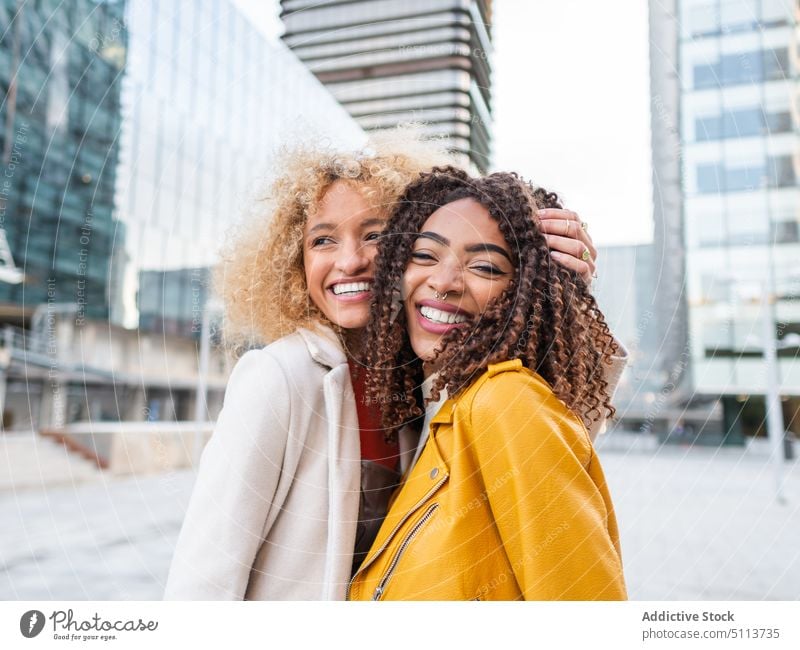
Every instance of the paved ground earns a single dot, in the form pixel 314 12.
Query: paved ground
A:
pixel 704 524
pixel 696 523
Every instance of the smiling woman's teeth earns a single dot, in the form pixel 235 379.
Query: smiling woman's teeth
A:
pixel 351 287
pixel 439 316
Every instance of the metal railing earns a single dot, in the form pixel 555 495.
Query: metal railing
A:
pixel 19 338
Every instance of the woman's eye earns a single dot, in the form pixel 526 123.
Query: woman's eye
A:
pixel 372 236
pixel 321 241
pixel 489 269
pixel 420 256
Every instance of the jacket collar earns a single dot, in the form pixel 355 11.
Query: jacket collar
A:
pixel 445 414
pixel 323 345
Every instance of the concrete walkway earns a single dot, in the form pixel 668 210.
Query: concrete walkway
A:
pixel 702 523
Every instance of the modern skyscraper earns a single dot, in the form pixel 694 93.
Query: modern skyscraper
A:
pixel 736 65
pixel 392 61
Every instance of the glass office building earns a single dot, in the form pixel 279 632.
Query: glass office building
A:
pixel 206 101
pixel 625 292
pixel 737 63
pixel 134 134
pixel 61 68
pixel 392 61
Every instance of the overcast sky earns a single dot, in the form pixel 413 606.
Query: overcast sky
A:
pixel 572 107
pixel 571 104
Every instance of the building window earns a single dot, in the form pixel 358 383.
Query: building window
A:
pixel 706 76
pixel 742 123
pixel 743 68
pixel 707 128
pixel 708 179
pixel 776 64
pixel 742 179
pixel 785 232
pixel 780 171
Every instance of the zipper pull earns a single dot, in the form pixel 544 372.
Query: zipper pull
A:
pixel 378 593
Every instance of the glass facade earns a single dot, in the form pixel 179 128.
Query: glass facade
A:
pixel 133 135
pixel 626 293
pixel 742 123
pixel 206 101
pixel 740 154
pixel 61 68
pixel 742 68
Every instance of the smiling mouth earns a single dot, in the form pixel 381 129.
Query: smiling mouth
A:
pixel 441 317
pixel 351 288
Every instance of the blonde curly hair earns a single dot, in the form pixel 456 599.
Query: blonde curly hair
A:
pixel 261 278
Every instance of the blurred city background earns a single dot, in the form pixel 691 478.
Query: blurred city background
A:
pixel 133 135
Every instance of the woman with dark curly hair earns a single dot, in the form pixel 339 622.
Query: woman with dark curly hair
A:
pixel 507 499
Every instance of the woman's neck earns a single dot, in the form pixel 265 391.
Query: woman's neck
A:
pixel 354 341
pixel 429 368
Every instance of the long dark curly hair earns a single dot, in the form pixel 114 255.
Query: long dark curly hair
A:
pixel 546 317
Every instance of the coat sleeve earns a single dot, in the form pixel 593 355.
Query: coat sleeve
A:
pixel 236 484
pixel 546 492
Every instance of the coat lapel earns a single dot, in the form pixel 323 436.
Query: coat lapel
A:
pixel 344 457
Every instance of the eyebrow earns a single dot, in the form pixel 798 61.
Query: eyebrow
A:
pixel 444 241
pixel 374 221
pixel 476 248
pixel 472 248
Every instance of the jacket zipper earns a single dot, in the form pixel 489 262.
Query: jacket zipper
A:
pixel 403 546
pixel 400 523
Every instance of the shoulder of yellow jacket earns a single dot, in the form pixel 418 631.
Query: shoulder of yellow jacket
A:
pixel 507 379
pixel 509 373
pixel 510 380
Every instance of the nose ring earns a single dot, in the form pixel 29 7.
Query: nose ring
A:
pixel 440 296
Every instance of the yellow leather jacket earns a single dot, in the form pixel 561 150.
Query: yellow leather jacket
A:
pixel 507 501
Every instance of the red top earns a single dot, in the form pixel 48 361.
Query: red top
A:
pixel 373 445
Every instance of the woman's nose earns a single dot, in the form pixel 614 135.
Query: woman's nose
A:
pixel 353 259
pixel 447 278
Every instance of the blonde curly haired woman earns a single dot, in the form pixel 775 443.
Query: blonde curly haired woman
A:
pixel 295 481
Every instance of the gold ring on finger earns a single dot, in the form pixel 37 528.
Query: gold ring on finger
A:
pixel 566 225
pixel 584 226
pixel 586 255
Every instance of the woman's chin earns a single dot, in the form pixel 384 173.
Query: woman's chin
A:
pixel 428 355
pixel 349 319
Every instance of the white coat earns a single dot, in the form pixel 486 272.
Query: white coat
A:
pixel 274 510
